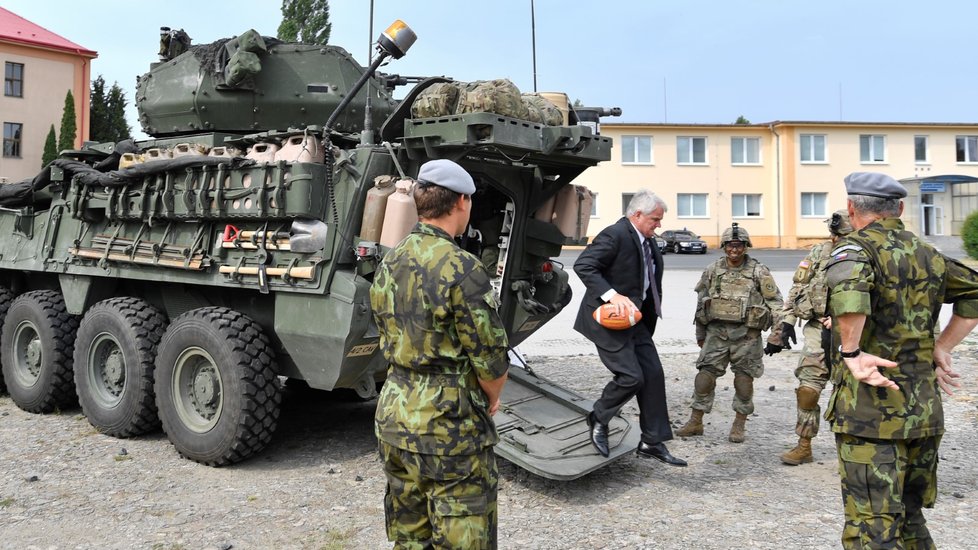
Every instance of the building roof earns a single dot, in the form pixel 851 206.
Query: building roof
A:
pixel 16 29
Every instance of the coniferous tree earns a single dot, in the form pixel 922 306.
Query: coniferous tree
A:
pixel 69 128
pixel 118 127
pixel 305 21
pixel 50 148
pixel 98 114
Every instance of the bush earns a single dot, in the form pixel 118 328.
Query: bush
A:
pixel 969 235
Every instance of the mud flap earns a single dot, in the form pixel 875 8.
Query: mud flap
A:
pixel 543 428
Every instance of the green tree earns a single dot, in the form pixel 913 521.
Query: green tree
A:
pixel 742 120
pixel 98 114
pixel 969 234
pixel 50 148
pixel 305 21
pixel 69 128
pixel 108 113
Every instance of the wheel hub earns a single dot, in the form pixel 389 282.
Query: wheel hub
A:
pixel 114 372
pixel 205 391
pixel 33 355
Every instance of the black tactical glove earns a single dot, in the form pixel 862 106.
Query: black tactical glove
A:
pixel 771 349
pixel 788 333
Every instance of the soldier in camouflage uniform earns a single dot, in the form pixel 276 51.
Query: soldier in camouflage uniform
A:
pixel 807 301
pixel 886 287
pixel 737 299
pixel 447 351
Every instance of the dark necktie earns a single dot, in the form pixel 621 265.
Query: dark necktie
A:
pixel 649 267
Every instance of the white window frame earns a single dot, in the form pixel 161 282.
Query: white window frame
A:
pixel 811 196
pixel 742 198
pixel 811 149
pixel 740 143
pixel 691 161
pixel 966 139
pixel 594 206
pixel 635 160
pixel 926 159
pixel 876 147
pixel 680 197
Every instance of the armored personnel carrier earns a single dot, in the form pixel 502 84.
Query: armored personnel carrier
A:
pixel 181 280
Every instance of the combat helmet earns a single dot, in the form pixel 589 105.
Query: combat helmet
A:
pixel 735 233
pixel 839 223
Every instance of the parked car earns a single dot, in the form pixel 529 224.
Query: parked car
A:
pixel 683 240
pixel 661 243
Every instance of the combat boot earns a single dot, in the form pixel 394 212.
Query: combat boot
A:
pixel 694 426
pixel 737 430
pixel 801 454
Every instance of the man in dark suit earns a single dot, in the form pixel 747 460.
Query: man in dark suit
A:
pixel 623 266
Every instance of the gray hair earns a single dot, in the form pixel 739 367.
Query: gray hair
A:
pixel 645 201
pixel 880 206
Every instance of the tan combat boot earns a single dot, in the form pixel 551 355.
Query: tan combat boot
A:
pixel 801 454
pixel 694 426
pixel 737 430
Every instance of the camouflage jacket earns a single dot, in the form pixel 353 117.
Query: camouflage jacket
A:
pixel 440 333
pixel 809 293
pixel 899 283
pixel 744 298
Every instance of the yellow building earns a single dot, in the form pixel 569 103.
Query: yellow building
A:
pixel 782 179
pixel 39 69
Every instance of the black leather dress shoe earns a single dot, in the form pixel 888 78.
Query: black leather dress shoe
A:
pixel 659 452
pixel 599 434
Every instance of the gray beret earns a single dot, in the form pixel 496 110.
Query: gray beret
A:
pixel 447 174
pixel 874 184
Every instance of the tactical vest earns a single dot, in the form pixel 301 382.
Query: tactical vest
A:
pixel 812 297
pixel 733 296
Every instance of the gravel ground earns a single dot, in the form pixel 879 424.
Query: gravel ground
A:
pixel 320 485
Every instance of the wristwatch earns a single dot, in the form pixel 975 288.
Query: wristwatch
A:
pixel 849 354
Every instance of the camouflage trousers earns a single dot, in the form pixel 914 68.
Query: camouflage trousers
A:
pixel 885 485
pixel 437 501
pixel 744 357
pixel 812 373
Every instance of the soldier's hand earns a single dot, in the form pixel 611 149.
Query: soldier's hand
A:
pixel 865 368
pixel 947 377
pixel 493 408
pixel 700 343
pixel 771 349
pixel 788 335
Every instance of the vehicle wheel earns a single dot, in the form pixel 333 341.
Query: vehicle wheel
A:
pixel 675 248
pixel 115 354
pixel 216 389
pixel 6 296
pixel 35 350
pixel 703 251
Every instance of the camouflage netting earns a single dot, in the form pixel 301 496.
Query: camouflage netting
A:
pixel 499 96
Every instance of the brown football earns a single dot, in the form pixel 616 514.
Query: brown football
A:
pixel 606 317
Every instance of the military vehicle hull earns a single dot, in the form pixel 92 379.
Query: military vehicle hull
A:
pixel 181 291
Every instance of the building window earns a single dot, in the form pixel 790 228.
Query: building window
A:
pixel 745 150
pixel 691 205
pixel 691 150
pixel 967 148
pixel 872 149
pixel 746 205
pixel 11 139
pixel 812 148
pixel 920 150
pixel 636 150
pixel 814 204
pixel 13 79
pixel 626 198
pixel 594 205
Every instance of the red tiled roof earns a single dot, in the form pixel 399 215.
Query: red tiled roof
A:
pixel 14 28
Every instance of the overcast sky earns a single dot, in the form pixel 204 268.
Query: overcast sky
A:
pixel 680 61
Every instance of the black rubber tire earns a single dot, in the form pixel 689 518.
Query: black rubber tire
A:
pixel 216 386
pixel 6 297
pixel 675 248
pixel 36 352
pixel 115 356
pixel 703 251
